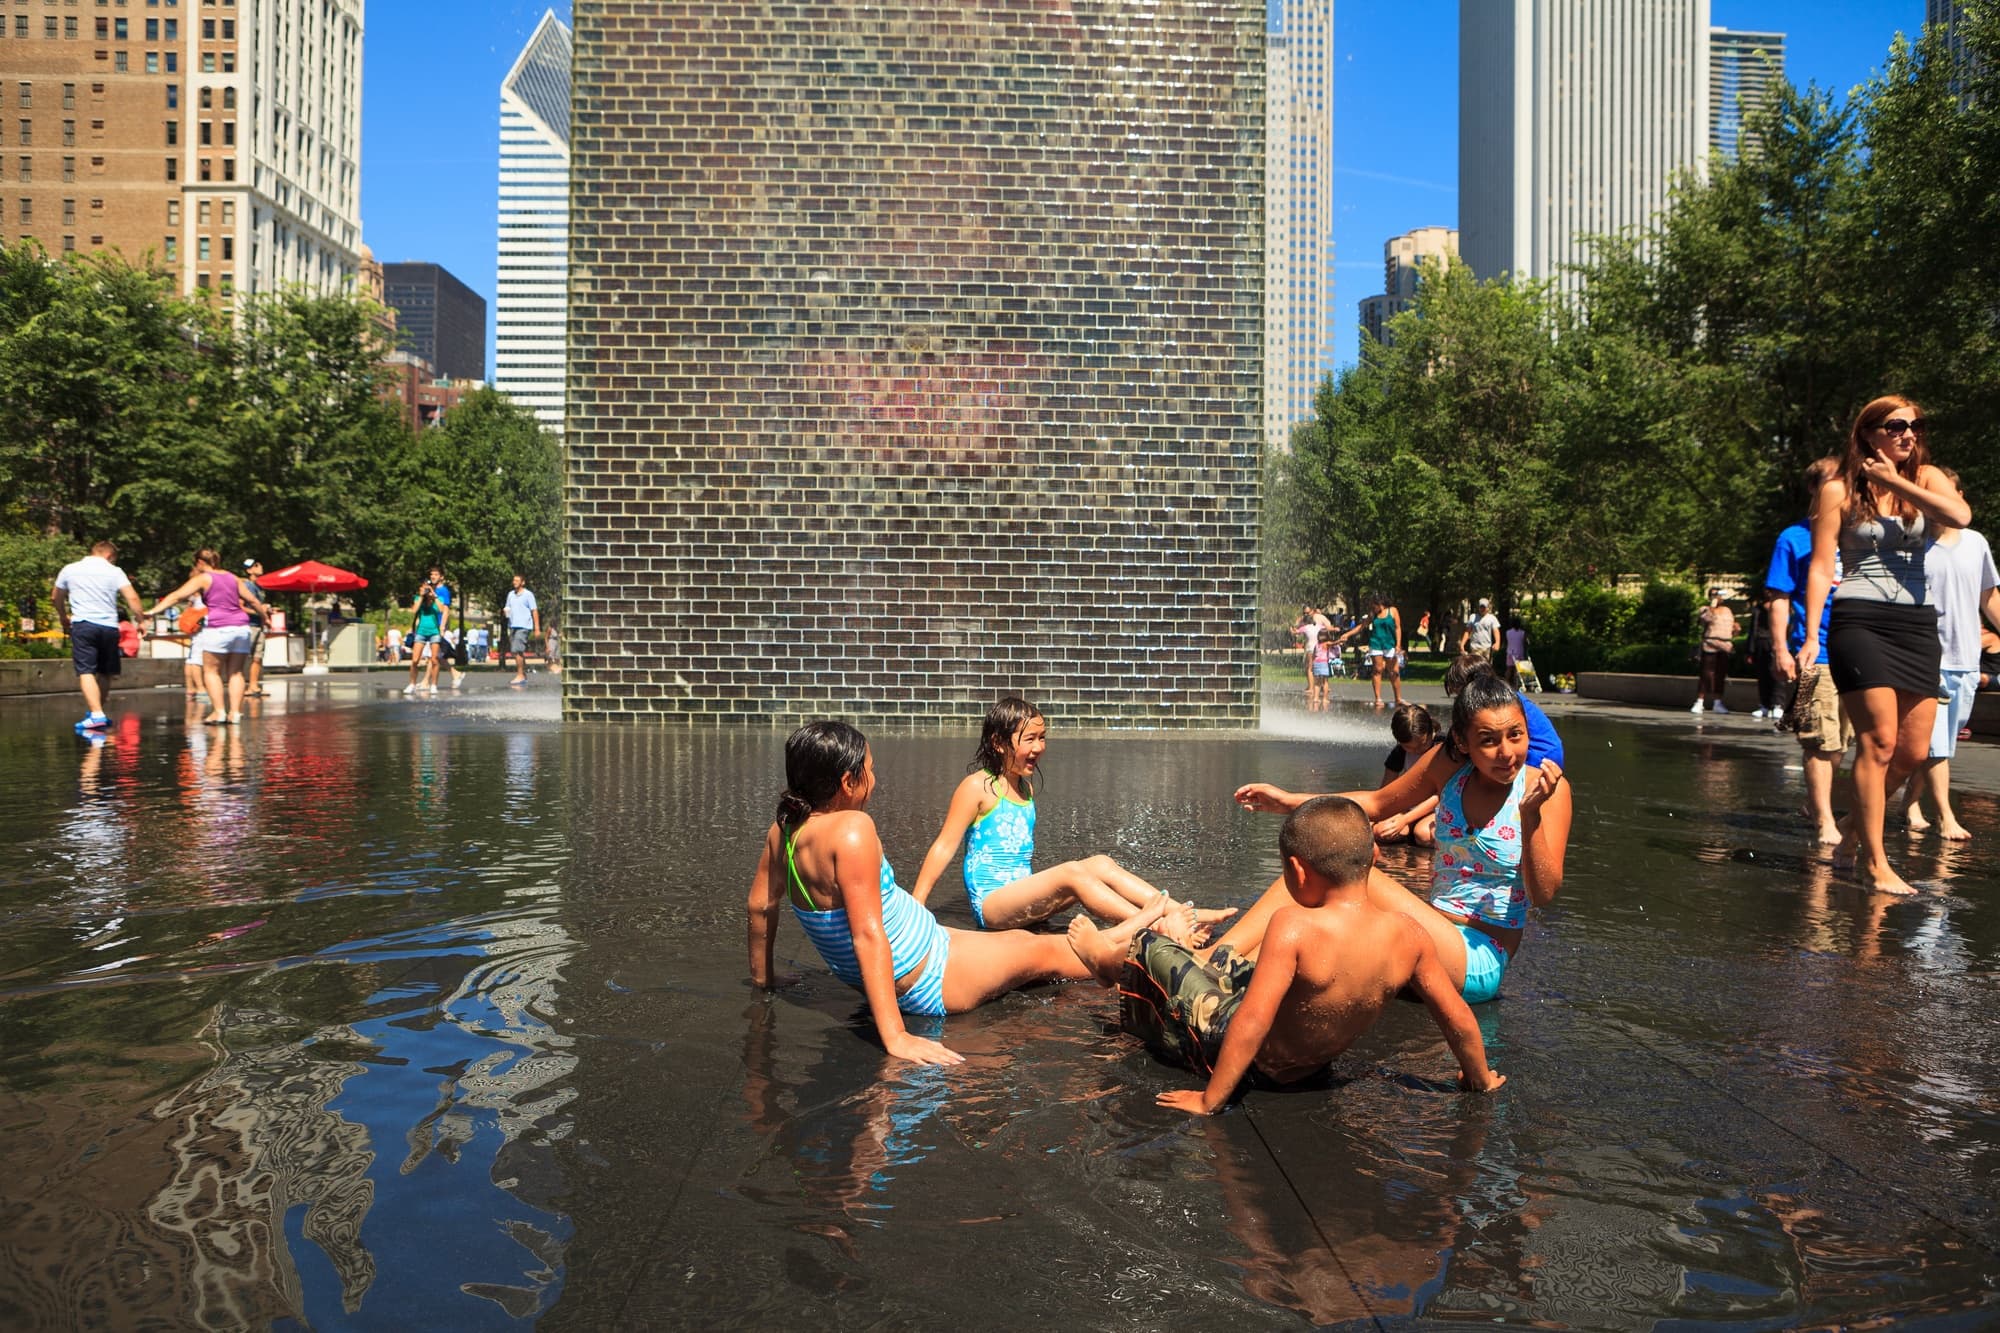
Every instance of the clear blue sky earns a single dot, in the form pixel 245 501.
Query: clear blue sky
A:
pixel 430 119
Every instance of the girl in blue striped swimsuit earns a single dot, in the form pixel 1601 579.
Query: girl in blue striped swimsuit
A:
pixel 823 855
pixel 993 814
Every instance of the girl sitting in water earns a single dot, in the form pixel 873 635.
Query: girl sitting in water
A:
pixel 1502 834
pixel 822 852
pixel 1415 731
pixel 993 813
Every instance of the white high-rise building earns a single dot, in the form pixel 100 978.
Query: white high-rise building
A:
pixel 531 302
pixel 1574 118
pixel 1298 214
pixel 1744 71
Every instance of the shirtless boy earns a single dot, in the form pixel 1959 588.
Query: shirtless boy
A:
pixel 1291 1001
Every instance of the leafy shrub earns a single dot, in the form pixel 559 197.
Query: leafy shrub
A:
pixel 1665 614
pixel 1578 630
pixel 1654 659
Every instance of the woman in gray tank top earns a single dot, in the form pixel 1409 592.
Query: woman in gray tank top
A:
pixel 1882 644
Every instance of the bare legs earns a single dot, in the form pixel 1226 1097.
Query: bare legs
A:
pixel 1933 779
pixel 93 693
pixel 1102 951
pixel 222 675
pixel 1097 884
pixel 1386 666
pixel 1893 728
pixel 1819 766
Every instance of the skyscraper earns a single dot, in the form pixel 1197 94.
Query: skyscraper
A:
pixel 1744 70
pixel 1574 118
pixel 532 288
pixel 1949 15
pixel 1298 213
pixel 1403 258
pixel 224 141
pixel 438 318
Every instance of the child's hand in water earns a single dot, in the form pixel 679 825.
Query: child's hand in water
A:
pixel 1541 785
pixel 1191 1100
pixel 923 1051
pixel 1263 796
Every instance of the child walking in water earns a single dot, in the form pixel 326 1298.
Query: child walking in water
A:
pixel 822 852
pixel 993 814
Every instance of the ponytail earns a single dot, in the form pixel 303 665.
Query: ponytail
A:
pixel 817 756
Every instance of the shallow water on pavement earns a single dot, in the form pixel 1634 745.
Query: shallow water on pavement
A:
pixel 396 1013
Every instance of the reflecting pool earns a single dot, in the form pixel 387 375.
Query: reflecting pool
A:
pixel 391 1013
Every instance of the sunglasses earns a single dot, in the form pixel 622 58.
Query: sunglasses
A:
pixel 1897 425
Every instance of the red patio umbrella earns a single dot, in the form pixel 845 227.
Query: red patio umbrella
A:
pixel 311 576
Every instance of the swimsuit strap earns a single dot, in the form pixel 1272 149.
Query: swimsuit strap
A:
pixel 798 886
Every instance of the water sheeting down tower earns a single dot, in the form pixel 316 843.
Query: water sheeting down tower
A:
pixel 915 357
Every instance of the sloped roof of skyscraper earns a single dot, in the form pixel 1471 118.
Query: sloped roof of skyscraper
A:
pixel 539 80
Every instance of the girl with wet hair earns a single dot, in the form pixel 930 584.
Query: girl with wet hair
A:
pixel 1415 731
pixel 1502 834
pixel 992 812
pixel 822 852
pixel 1879 515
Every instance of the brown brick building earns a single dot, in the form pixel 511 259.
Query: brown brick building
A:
pixel 915 356
pixel 220 138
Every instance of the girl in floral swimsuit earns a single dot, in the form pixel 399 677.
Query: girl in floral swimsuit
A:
pixel 1502 834
pixel 993 814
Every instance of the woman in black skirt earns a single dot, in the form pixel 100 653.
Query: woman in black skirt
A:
pixel 1882 643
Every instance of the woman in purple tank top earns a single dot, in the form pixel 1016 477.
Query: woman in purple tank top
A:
pixel 224 642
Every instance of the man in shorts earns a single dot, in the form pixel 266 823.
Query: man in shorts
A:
pixel 1821 723
pixel 524 616
pixel 1301 993
pixel 253 569
pixel 86 595
pixel 1959 565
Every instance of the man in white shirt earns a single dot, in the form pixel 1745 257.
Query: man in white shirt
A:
pixel 86 597
pixel 1481 633
pixel 523 617
pixel 1963 583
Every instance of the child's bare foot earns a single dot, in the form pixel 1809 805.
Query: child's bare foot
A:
pixel 1096 950
pixel 1954 831
pixel 1177 922
pixel 1829 833
pixel 1915 819
pixel 1884 880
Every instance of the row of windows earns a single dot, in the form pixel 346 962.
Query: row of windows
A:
pixel 205 169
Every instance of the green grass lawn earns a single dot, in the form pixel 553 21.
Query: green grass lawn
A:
pixel 1424 669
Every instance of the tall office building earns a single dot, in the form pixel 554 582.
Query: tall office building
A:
pixel 1298 213
pixel 1403 258
pixel 1949 15
pixel 1744 71
pixel 530 299
pixel 222 139
pixel 1574 118
pixel 438 318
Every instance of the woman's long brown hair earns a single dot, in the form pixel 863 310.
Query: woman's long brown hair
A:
pixel 1860 496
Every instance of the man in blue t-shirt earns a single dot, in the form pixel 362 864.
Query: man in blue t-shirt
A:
pixel 1822 724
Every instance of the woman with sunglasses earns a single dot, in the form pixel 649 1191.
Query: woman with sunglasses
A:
pixel 1878 512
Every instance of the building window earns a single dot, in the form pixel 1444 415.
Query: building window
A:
pixel 201 281
pixel 206 127
pixel 49 28
pixel 228 99
pixel 27 211
pixel 229 30
pixel 228 213
pixel 27 170
pixel 69 212
pixel 27 94
pixel 229 247
pixel 27 131
pixel 201 249
pixel 69 134
pixel 173 132
pixel 69 97
pixel 21 26
pixel 97 205
pixel 69 244
pixel 173 62
pixel 229 168
pixel 173 96
pixel 208 62
pixel 208 30
pixel 152 62
pixel 152 30
pixel 207 98
pixel 173 30
pixel 201 212
pixel 69 27
pixel 229 133
pixel 121 62
pixel 228 62
pixel 118 29
pixel 172 249
pixel 97 167
pixel 69 168
pixel 173 167
pixel 173 212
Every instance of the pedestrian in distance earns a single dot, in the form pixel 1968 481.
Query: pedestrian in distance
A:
pixel 1876 517
pixel 253 569
pixel 226 636
pixel 426 630
pixel 1481 634
pixel 86 595
pixel 524 617
pixel 1718 640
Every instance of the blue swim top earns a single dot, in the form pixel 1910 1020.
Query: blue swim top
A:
pixel 913 933
pixel 1477 872
pixel 999 847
